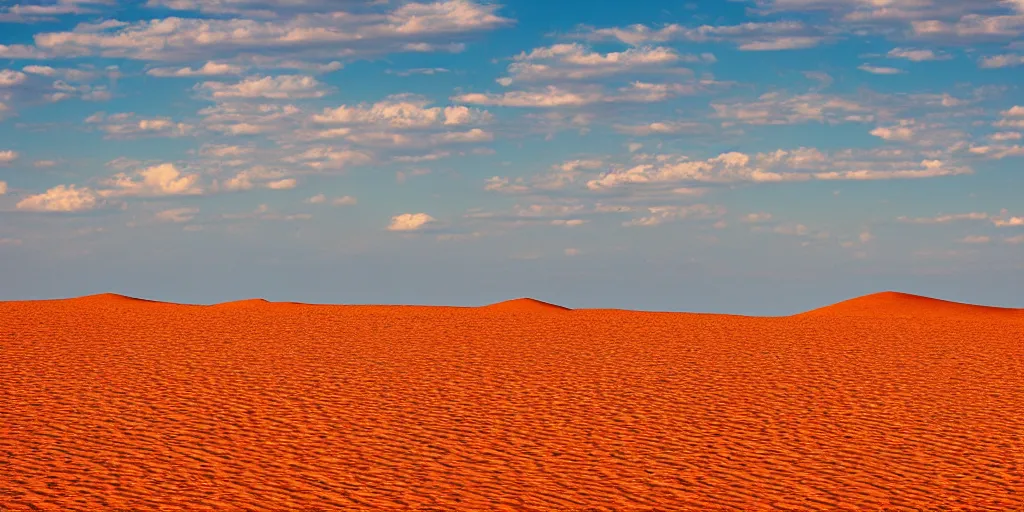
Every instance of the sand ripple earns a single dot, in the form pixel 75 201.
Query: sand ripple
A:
pixel 110 404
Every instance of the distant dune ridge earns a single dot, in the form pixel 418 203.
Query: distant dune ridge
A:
pixel 905 305
pixel 884 304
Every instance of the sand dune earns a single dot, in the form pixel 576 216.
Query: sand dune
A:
pixel 905 305
pixel 525 305
pixel 111 403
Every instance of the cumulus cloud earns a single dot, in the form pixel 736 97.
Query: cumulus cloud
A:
pixel 917 54
pixel 945 218
pixel 1001 61
pixel 258 175
pixel 574 61
pixel 281 87
pixel 285 184
pixel 177 214
pixel 62 198
pixel 402 112
pixel 334 33
pixel 410 221
pixel 751 36
pixel 554 96
pixel 331 158
pixel 776 108
pixel 7 157
pixel 128 125
pixel 158 180
pixel 783 165
pixel 1007 222
pixel 3 187
pixel 11 78
pixel 662 128
pixel 902 132
pixel 211 68
pixel 661 214
pixel 880 70
pixel 243 118
pixel 972 27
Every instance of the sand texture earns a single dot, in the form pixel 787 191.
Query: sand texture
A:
pixel 891 400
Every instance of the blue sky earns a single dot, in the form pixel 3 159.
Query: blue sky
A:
pixel 753 157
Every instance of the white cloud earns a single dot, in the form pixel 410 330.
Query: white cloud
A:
pixel 574 61
pixel 751 36
pixel 474 135
pixel 244 180
pixel 61 199
pixel 945 218
pixel 334 33
pixel 1019 239
pixel 410 221
pixel 998 152
pixel 242 118
pixel 1005 136
pixel 661 214
pixel 211 68
pixel 177 214
pixel 880 70
pixel 776 108
pixel 1001 61
pixel 972 27
pixel 7 157
pixel 224 150
pixel 10 78
pixel 662 128
pixel 402 112
pixel 903 132
pixel 284 184
pixel 327 157
pixel 1007 222
pixel 128 125
pixel 782 43
pixel 1015 111
pixel 793 165
pixel 916 55
pixel 271 87
pixel 756 218
pixel 554 96
pixel 975 239
pixel 568 222
pixel 317 199
pixel 344 201
pixel 158 180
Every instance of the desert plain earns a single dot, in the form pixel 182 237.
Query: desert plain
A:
pixel 889 401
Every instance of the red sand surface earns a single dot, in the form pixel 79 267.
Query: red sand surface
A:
pixel 888 401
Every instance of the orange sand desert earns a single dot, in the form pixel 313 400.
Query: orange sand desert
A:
pixel 887 401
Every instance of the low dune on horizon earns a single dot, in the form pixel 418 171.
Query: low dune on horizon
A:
pixel 887 304
pixel 889 400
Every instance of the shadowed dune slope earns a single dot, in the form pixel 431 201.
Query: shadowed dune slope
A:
pixel 525 305
pixel 107 403
pixel 904 305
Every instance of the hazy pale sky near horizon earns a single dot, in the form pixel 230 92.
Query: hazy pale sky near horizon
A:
pixel 757 157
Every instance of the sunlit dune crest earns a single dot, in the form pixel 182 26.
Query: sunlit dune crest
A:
pixel 112 299
pixel 525 305
pixel 905 305
pixel 114 403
